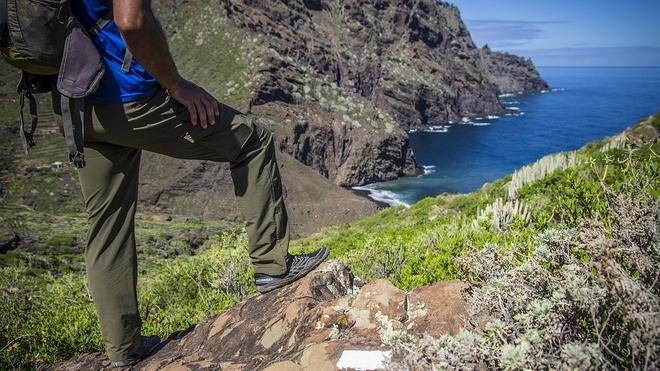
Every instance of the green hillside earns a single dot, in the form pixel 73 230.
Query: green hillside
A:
pixel 606 191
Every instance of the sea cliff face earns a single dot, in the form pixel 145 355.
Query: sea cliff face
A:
pixel 351 156
pixel 510 73
pixel 343 80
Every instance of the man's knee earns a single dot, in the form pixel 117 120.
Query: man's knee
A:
pixel 263 132
pixel 261 135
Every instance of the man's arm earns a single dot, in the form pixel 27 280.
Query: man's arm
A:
pixel 145 38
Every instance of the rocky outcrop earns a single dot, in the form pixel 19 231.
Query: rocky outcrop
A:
pixel 350 155
pixel 321 322
pixel 341 65
pixel 510 73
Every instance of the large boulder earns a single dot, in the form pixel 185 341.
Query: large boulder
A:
pixel 324 321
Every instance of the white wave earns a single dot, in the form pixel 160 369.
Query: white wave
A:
pixel 437 129
pixel 492 117
pixel 557 89
pixel 513 108
pixel 380 195
pixel 440 131
pixel 506 95
pixel 545 91
pixel 480 123
pixel 412 130
pixel 511 102
pixel 428 169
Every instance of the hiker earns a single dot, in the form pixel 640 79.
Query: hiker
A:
pixel 142 103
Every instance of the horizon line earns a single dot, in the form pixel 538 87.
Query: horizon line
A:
pixel 603 66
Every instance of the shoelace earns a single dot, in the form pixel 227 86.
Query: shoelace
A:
pixel 300 261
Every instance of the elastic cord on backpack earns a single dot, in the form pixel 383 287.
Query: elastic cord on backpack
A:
pixel 72 123
pixel 27 137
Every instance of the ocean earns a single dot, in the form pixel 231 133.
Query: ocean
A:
pixel 583 104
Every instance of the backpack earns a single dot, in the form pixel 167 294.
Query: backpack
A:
pixel 44 40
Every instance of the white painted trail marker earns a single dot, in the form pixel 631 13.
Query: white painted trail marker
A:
pixel 364 359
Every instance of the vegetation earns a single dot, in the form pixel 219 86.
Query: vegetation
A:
pixel 48 318
pixel 565 252
pixel 582 230
pixel 585 298
pixel 567 272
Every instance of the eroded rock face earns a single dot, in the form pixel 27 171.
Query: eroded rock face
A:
pixel 371 65
pixel 349 155
pixel 308 324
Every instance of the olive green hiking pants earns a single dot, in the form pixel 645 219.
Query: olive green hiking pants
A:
pixel 114 139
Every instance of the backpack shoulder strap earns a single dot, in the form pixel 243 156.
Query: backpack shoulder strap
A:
pixel 128 58
pixel 98 26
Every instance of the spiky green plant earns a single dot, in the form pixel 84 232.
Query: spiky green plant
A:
pixel 540 169
pixel 501 214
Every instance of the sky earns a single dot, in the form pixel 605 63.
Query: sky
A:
pixel 568 32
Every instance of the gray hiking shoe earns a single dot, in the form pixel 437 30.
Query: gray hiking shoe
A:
pixel 149 344
pixel 297 267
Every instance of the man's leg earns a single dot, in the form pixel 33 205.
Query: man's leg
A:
pixel 161 125
pixel 258 186
pixel 109 184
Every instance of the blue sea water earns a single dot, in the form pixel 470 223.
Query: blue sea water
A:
pixel 584 104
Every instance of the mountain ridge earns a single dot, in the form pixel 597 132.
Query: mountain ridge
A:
pixel 330 74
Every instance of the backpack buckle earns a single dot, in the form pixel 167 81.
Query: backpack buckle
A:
pixel 78 159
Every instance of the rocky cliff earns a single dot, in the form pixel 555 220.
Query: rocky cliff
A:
pixel 510 73
pixel 342 80
pixel 328 320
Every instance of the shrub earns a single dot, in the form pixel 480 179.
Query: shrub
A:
pixel 47 319
pixel 44 319
pixel 585 298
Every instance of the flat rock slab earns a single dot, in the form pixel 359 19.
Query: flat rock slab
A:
pixel 320 321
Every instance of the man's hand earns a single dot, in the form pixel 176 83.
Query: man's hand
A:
pixel 146 40
pixel 203 108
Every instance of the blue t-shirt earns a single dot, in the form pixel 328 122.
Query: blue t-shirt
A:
pixel 116 86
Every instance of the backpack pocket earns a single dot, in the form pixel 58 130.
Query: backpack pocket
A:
pixel 81 68
pixel 32 34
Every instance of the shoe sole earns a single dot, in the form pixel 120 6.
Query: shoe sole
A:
pixel 133 362
pixel 303 273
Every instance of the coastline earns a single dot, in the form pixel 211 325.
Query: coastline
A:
pixel 367 194
pixel 383 199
